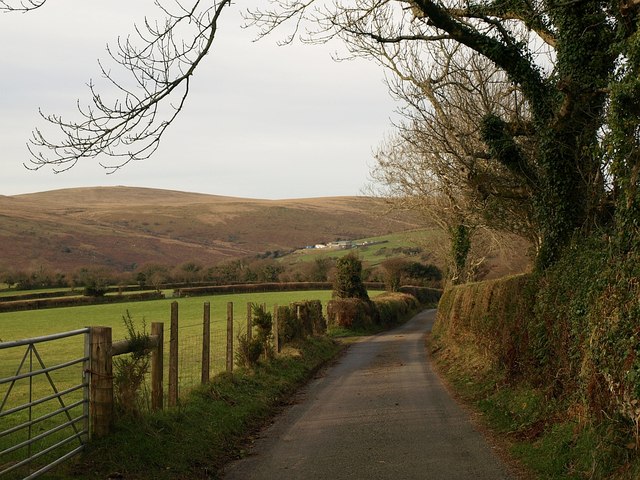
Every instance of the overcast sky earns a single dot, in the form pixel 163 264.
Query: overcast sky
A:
pixel 261 121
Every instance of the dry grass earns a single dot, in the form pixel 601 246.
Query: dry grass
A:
pixel 121 227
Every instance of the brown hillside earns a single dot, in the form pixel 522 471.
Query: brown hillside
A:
pixel 125 227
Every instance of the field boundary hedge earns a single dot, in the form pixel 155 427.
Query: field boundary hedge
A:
pixel 494 315
pixel 384 310
pixel 263 287
pixel 426 295
pixel 70 292
pixel 41 303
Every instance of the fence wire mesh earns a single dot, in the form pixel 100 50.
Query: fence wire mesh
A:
pixel 190 346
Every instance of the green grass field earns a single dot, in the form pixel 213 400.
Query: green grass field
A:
pixel 373 255
pixel 28 324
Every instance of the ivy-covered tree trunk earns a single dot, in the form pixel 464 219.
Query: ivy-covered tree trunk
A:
pixel 624 144
pixel 567 113
pixel 460 247
pixel 568 138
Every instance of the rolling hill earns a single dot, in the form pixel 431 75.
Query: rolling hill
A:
pixel 125 227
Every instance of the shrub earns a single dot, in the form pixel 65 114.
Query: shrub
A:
pixel 248 352
pixel 348 279
pixel 95 281
pixel 299 320
pixel 310 314
pixel 423 272
pixel 94 291
pixel 130 369
pixel 289 326
pixel 264 323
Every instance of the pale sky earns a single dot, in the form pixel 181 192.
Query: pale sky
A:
pixel 261 121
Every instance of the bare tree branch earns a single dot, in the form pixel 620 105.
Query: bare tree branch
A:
pixel 160 61
pixel 22 6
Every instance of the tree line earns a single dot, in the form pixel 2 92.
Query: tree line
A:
pixel 95 280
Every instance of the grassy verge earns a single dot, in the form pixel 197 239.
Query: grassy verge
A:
pixel 546 437
pixel 210 427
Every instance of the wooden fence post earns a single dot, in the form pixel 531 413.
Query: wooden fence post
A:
pixel 173 356
pixel 230 337
pixel 206 342
pixel 101 382
pixel 276 339
pixel 249 320
pixel 157 367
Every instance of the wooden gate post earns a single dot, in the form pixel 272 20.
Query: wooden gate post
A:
pixel 206 342
pixel 173 356
pixel 101 382
pixel 157 367
pixel 230 337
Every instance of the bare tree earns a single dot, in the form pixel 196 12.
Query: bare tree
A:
pixel 439 150
pixel 439 165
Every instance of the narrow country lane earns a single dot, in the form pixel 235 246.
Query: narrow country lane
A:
pixel 380 413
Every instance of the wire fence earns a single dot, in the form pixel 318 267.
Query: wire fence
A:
pixel 205 346
pixel 195 349
pixel 190 345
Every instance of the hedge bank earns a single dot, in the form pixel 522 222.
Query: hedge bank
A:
pixel 300 320
pixel 384 310
pixel 571 338
pixel 263 287
pixel 40 303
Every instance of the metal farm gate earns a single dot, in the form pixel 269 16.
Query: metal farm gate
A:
pixel 44 410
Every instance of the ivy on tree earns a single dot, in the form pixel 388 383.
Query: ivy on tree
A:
pixel 348 280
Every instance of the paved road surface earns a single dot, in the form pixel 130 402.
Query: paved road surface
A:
pixel 380 413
